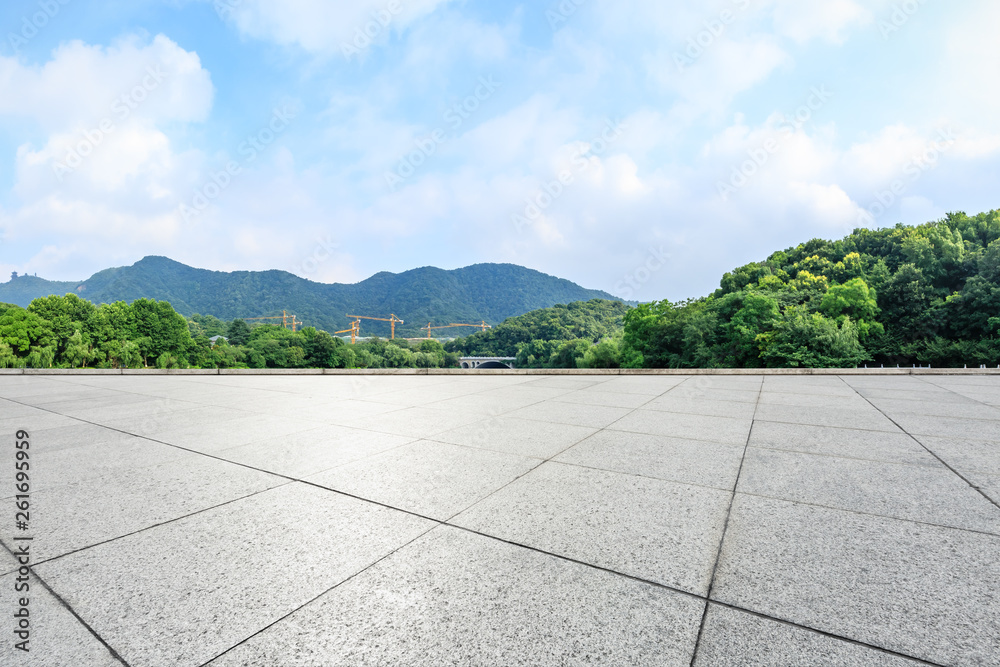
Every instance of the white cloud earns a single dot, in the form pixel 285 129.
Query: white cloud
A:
pixel 829 20
pixel 107 170
pixel 82 84
pixel 708 82
pixel 324 26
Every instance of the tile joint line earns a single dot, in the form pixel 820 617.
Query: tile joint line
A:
pixel 928 449
pixel 725 528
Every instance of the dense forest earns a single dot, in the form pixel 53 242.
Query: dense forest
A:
pixel 70 332
pixel 490 292
pixel 583 334
pixel 927 295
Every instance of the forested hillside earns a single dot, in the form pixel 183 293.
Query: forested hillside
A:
pixel 491 292
pixel 904 295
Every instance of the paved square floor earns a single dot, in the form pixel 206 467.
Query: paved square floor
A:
pixel 506 520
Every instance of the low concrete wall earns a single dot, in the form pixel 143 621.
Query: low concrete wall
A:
pixel 515 371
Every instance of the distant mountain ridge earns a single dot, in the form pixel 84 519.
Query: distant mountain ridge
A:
pixel 490 292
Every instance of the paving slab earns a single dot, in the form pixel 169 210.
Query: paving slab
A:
pixel 407 398
pixel 523 437
pixel 577 414
pixel 592 396
pixel 692 390
pixel 988 484
pixel 18 389
pixel 208 436
pixel 72 516
pixel 867 418
pixel 37 420
pixel 697 427
pixel 935 394
pixel 923 591
pixel 454 598
pixel 64 394
pixel 432 479
pixel 812 395
pixel 965 454
pixel 54 467
pixel 418 422
pixel 569 383
pixel 673 459
pixel 950 427
pixel 10 409
pixel 149 408
pixel 56 637
pixel 483 404
pixel 743 382
pixel 733 638
pixel 326 409
pixel 77 434
pixel 658 531
pixel 192 419
pixel 812 400
pixel 109 406
pixel 967 410
pixel 813 385
pixel 701 406
pixel 834 441
pixel 931 494
pixel 527 394
pixel 7 562
pixel 184 592
pixel 309 452
pixel 893 382
pixel 649 386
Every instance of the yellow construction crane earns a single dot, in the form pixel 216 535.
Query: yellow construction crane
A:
pixel 355 330
pixel 482 325
pixel 285 318
pixel 392 319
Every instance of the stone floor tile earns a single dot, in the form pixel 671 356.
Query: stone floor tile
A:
pixel 658 531
pixel 432 479
pixel 698 462
pixel 930 494
pixel 455 598
pixel 920 590
pixel 733 638
pixel 182 593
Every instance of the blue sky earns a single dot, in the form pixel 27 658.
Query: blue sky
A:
pixel 642 147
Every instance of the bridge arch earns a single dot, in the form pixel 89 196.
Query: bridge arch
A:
pixel 487 362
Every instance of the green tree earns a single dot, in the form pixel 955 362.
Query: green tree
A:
pixel 7 357
pixel 41 357
pixel 129 355
pixel 602 355
pixel 21 329
pixel 78 351
pixel 238 332
pixel 810 340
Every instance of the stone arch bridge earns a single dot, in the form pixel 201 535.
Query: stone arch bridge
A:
pixel 487 362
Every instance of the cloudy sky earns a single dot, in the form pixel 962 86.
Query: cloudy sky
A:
pixel 643 147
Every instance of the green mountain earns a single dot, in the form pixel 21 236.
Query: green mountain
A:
pixel 490 292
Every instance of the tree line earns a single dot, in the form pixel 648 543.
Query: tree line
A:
pixel 70 332
pixel 927 294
